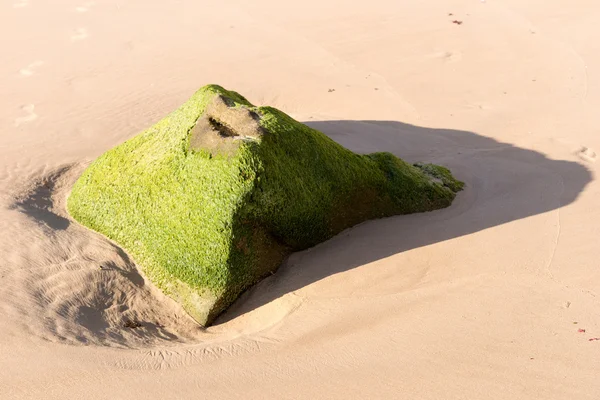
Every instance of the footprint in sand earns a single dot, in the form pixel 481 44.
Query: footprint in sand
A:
pixel 85 7
pixel 21 4
pixel 31 116
pixel 587 154
pixel 79 34
pixel 30 69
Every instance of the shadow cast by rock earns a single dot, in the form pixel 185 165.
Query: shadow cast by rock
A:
pixel 504 183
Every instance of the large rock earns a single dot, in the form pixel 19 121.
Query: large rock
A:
pixel 212 198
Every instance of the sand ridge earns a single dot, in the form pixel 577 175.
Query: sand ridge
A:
pixel 494 297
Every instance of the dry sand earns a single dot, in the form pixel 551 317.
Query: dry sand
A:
pixel 483 300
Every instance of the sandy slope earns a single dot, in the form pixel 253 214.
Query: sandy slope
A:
pixel 481 300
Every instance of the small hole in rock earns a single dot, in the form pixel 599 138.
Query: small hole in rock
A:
pixel 223 129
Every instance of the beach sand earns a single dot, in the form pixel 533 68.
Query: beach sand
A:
pixel 495 297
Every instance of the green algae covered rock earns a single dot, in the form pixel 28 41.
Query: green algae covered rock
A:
pixel 212 198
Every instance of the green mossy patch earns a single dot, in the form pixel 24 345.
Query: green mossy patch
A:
pixel 213 197
pixel 443 174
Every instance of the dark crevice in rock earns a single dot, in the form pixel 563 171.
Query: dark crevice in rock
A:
pixel 221 128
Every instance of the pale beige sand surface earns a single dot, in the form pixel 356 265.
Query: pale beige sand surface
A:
pixel 483 300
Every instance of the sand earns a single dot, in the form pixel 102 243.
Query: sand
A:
pixel 495 297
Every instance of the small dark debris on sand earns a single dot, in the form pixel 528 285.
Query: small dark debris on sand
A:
pixel 457 22
pixel 132 324
pixel 331 90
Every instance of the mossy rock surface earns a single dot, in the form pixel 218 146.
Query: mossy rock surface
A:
pixel 213 197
